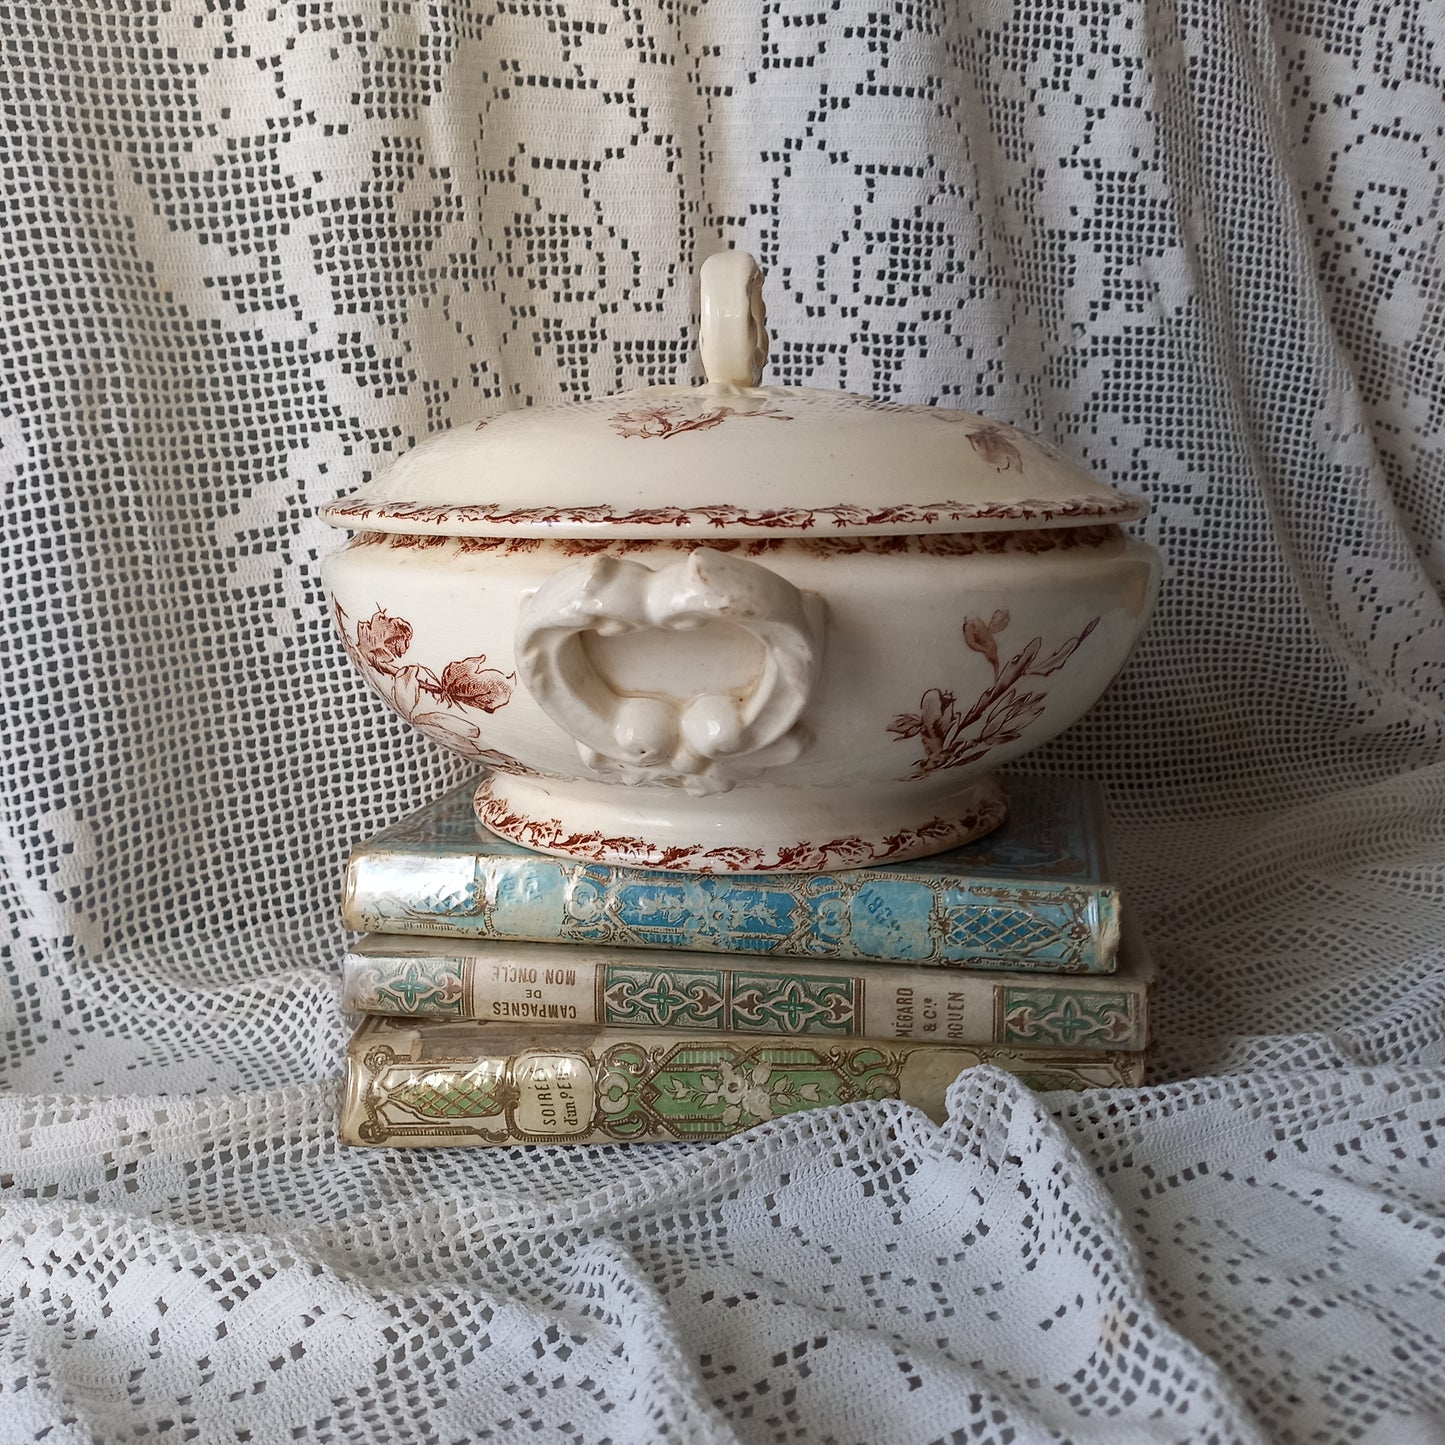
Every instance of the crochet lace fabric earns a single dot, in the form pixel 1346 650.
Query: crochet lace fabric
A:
pixel 253 251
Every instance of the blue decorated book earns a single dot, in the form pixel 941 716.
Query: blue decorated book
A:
pixel 1038 893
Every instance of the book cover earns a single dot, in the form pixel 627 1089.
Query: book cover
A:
pixel 1038 893
pixel 551 984
pixel 424 1083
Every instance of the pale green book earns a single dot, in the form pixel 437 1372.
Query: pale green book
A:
pixel 555 984
pixel 428 1083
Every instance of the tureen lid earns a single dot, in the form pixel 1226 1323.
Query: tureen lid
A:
pixel 730 458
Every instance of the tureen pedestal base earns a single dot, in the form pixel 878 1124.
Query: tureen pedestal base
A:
pixel 801 830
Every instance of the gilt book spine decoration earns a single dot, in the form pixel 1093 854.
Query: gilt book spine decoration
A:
pixel 1037 894
pixel 431 1082
pixel 545 985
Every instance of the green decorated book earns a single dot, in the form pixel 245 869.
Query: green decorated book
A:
pixel 424 1083
pixel 1038 893
pixel 553 984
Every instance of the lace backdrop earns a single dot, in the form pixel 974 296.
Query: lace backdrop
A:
pixel 253 252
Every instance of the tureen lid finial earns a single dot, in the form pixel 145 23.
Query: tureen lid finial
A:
pixel 734 335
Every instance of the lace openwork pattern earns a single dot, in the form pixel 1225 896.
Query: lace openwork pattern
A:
pixel 255 251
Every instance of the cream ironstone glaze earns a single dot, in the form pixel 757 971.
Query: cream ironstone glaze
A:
pixel 733 627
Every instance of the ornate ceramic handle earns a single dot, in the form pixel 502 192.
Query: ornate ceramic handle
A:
pixel 702 738
pixel 734 334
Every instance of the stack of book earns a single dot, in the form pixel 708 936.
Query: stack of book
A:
pixel 510 997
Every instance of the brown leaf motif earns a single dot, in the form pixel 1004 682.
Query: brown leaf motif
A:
pixel 951 736
pixel 994 443
pixel 978 634
pixel 381 639
pixel 470 683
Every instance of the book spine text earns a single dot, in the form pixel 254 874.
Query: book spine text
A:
pixel 621 1089
pixel 694 992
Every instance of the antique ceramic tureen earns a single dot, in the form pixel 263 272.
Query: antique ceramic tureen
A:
pixel 733 627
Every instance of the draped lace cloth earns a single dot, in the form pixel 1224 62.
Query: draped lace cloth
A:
pixel 253 251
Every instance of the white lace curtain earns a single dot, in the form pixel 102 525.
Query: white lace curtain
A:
pixel 253 250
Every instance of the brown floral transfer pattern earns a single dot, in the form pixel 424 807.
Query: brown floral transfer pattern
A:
pixel 436 704
pixel 722 514
pixel 549 834
pixel 673 418
pixel 995 442
pixel 933 544
pixel 995 445
pixel 951 736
